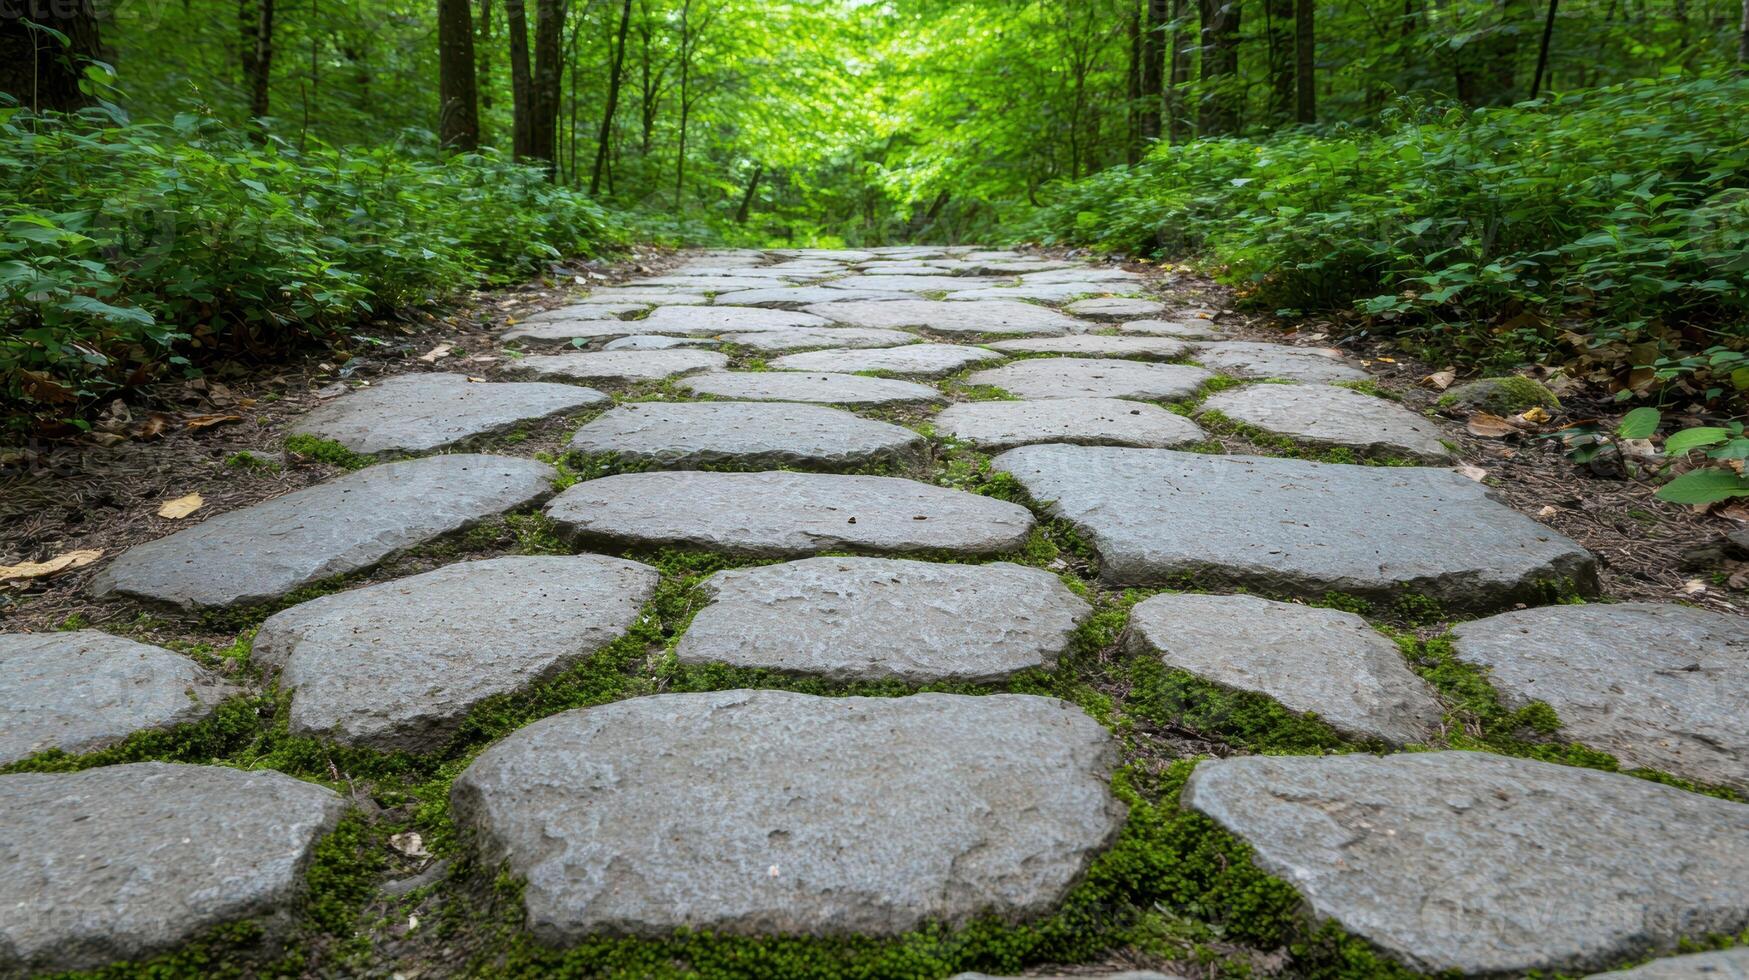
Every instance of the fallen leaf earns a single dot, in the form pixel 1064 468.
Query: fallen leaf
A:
pixel 181 507
pixel 54 566
pixel 107 438
pixel 1548 511
pixel 152 427
pixel 1736 510
pixel 1440 380
pixel 478 381
pixel 334 390
pixel 1693 586
pixel 409 843
pixel 1472 471
pixel 441 350
pixel 1489 426
pixel 1536 414
pixel 208 421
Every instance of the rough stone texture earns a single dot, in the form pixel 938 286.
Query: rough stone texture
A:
pixel 1084 377
pixel 713 320
pixel 1318 661
pixel 810 338
pixel 1293 527
pixel 1501 396
pixel 86 690
pixel 1484 864
pixel 655 342
pixel 567 323
pixel 853 619
pixel 1126 975
pixel 1653 685
pixel 1329 417
pixel 620 366
pixel 1042 292
pixel 787 514
pixel 994 317
pixel 747 435
pixel 120 862
pixel 1116 308
pixel 1083 421
pixel 1189 329
pixel 350 523
pixel 1724 964
pixel 797 297
pixel 396 666
pixel 1098 345
pixel 1243 359
pixel 914 283
pixel 921 360
pixel 813 386
pixel 415 413
pixel 649 296
pixel 769 812
pixel 1083 273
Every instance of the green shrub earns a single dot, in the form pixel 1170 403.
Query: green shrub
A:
pixel 133 248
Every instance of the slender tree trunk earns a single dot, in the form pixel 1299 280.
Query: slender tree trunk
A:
pixel 521 83
pixel 483 58
pixel 685 100
pixel 1743 41
pixel 248 26
pixel 1177 115
pixel 1278 29
pixel 1132 146
pixel 1219 113
pixel 263 62
pixel 1305 63
pixel 747 197
pixel 1542 51
pixel 35 67
pixel 548 68
pixel 458 102
pixel 1154 67
pixel 613 81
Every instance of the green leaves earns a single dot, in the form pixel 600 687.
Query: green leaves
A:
pixel 1707 486
pixel 1640 423
pixel 1691 439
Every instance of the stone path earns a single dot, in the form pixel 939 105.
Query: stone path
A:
pixel 763 811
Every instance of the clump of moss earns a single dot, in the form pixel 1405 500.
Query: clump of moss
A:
pixel 1507 395
pixel 326 451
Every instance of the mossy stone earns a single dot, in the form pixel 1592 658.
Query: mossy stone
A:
pixel 1502 396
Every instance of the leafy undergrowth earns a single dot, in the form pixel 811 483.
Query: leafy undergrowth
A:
pixel 1608 228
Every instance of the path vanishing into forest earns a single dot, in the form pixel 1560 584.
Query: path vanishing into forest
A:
pixel 902 468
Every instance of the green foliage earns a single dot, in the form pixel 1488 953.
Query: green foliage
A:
pixel 133 249
pixel 325 451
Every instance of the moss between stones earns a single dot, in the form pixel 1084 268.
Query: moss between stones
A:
pixel 1270 444
pixel 326 451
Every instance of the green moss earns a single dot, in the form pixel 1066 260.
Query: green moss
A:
pixel 1178 699
pixel 1508 395
pixel 326 451
pixel 232 725
pixel 1369 387
pixel 247 460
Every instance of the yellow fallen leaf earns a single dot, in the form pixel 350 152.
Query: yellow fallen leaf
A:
pixel 1489 426
pixel 1547 511
pixel 54 566
pixel 181 507
pixel 1536 414
pixel 208 421
pixel 1440 380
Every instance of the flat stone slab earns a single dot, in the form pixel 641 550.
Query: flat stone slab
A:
pixel 920 360
pixel 1724 964
pixel 770 812
pixel 1116 308
pixel 349 523
pixel 810 338
pixel 993 317
pixel 1658 686
pixel 858 619
pixel 1187 329
pixel 656 342
pixel 797 297
pixel 1488 865
pixel 1125 975
pixel 820 387
pixel 620 367
pixel 1086 377
pixel 120 862
pixel 1083 421
pixel 909 283
pixel 87 690
pixel 1098 345
pixel 649 296
pixel 1084 273
pixel 745 435
pixel 1313 661
pixel 397 666
pixel 564 324
pixel 1243 359
pixel 1292 527
pixel 782 514
pixel 712 320
pixel 1328 417
pixel 1041 292
pixel 415 413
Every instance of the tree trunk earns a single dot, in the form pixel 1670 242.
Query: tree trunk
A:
pixel 1305 63
pixel 262 64
pixel 685 100
pixel 35 67
pixel 1743 41
pixel 1154 68
pixel 1177 116
pixel 1542 51
pixel 747 198
pixel 613 82
pixel 1219 113
pixel 1278 29
pixel 521 84
pixel 458 99
pixel 483 58
pixel 1132 146
pixel 548 71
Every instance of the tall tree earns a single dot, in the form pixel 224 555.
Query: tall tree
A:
pixel 693 26
pixel 483 52
pixel 521 80
pixel 1154 67
pixel 262 63
pixel 36 67
pixel 1219 112
pixel 1132 147
pixel 458 117
pixel 1278 32
pixel 1542 50
pixel 613 82
pixel 549 19
pixel 1743 41
pixel 1305 63
pixel 1178 117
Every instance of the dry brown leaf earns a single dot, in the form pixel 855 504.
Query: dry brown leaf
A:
pixel 181 507
pixel 208 421
pixel 1472 471
pixel 1736 510
pixel 153 426
pixel 1440 380
pixel 1548 511
pixel 440 351
pixel 479 381
pixel 1693 586
pixel 1489 426
pixel 54 566
pixel 106 439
